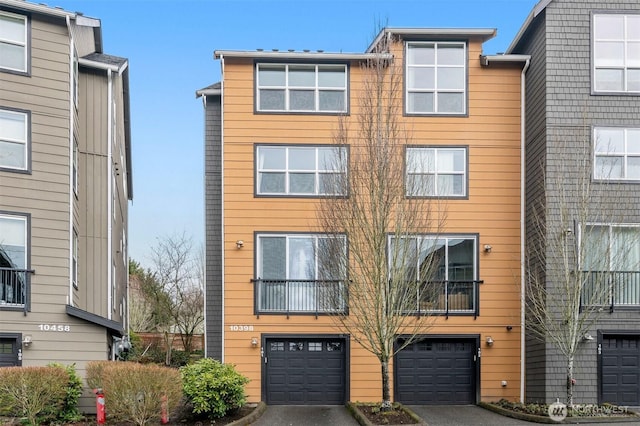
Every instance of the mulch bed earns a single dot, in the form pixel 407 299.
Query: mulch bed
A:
pixel 393 417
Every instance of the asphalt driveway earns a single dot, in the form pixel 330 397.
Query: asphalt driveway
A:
pixel 306 415
pixel 462 415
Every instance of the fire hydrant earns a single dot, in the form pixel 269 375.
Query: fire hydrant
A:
pixel 100 413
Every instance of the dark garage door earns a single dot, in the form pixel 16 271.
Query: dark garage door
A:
pixel 305 371
pixel 436 371
pixel 620 369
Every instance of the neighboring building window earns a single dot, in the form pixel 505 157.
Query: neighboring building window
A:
pixel 293 277
pixel 75 78
pixel 13 260
pixel 436 77
pixel 301 170
pixel 75 167
pixel 611 264
pixel 436 172
pixel 13 42
pixel 74 260
pixel 617 153
pixel 616 53
pixel 14 139
pixel 301 88
pixel 445 267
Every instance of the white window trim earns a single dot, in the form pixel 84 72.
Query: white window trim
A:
pixel 610 227
pixel 25 141
pixel 624 154
pixel 625 67
pixel 287 171
pixel 24 45
pixel 435 173
pixel 436 90
pixel 316 88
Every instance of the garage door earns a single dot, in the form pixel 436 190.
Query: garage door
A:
pixel 305 371
pixel 620 369
pixel 436 371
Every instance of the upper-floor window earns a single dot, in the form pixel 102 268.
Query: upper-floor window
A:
pixel 436 172
pixel 74 260
pixel 617 153
pixel 13 42
pixel 436 77
pixel 13 259
pixel 14 139
pixel 74 162
pixel 301 88
pixel 616 53
pixel 300 170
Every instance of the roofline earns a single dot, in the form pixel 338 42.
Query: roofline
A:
pixel 39 8
pixel 483 33
pixel 102 66
pixel 113 326
pixel 486 59
pixel 261 54
pixel 537 9
pixel 208 92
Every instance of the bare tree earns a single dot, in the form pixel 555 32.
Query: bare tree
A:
pixel 177 272
pixel 579 250
pixel 389 268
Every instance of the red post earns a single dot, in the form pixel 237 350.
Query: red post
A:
pixel 100 414
pixel 164 415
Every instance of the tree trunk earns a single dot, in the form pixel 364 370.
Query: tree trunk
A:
pixel 570 382
pixel 386 396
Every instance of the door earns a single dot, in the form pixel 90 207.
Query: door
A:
pixel 10 351
pixel 620 369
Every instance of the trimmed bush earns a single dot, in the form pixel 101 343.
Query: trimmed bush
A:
pixel 213 388
pixel 34 393
pixel 135 392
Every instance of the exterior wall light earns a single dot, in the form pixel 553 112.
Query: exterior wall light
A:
pixel 254 341
pixel 487 248
pixel 489 341
pixel 239 244
pixel 27 341
pixel 587 338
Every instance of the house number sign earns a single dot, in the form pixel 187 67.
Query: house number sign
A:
pixel 55 327
pixel 239 327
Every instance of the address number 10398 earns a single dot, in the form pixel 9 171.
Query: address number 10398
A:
pixel 239 327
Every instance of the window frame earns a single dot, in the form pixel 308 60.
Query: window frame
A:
pixel 26 18
pixel 436 148
pixel 287 171
pixel 288 88
pixel 594 60
pixel 74 259
pixel 26 114
pixel 26 218
pixel 465 91
pixel 624 155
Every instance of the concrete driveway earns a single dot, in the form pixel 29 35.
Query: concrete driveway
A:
pixel 306 415
pixel 462 415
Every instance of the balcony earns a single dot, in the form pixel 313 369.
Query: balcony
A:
pixel 13 287
pixel 299 296
pixel 448 297
pixel 611 288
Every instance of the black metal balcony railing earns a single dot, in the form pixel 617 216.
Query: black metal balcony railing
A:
pixel 13 287
pixel 300 296
pixel 611 288
pixel 447 297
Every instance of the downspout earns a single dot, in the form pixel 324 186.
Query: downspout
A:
pixel 110 119
pixel 522 224
pixel 222 197
pixel 71 146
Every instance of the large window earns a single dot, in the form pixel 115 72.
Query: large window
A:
pixel 293 276
pixel 13 42
pixel 436 172
pixel 611 264
pixel 13 259
pixel 617 153
pixel 445 268
pixel 301 170
pixel 436 78
pixel 301 88
pixel 616 53
pixel 14 139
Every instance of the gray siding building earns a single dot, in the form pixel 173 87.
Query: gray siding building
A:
pixel 65 184
pixel 583 110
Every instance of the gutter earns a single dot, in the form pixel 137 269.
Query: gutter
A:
pixel 110 119
pixel 222 233
pixel 321 56
pixel 71 151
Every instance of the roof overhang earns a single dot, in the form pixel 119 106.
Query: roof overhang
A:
pixel 113 326
pixel 483 34
pixel 208 92
pixel 537 9
pixel 292 55
pixel 486 60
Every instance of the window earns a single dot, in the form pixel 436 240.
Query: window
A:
pixel 445 268
pixel 436 172
pixel 301 88
pixel 436 78
pixel 611 264
pixel 74 260
pixel 75 167
pixel 13 259
pixel 293 277
pixel 14 139
pixel 13 42
pixel 616 53
pixel 301 170
pixel 617 153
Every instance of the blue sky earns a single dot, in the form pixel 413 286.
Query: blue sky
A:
pixel 170 44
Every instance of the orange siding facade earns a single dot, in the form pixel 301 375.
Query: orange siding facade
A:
pixel 491 130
